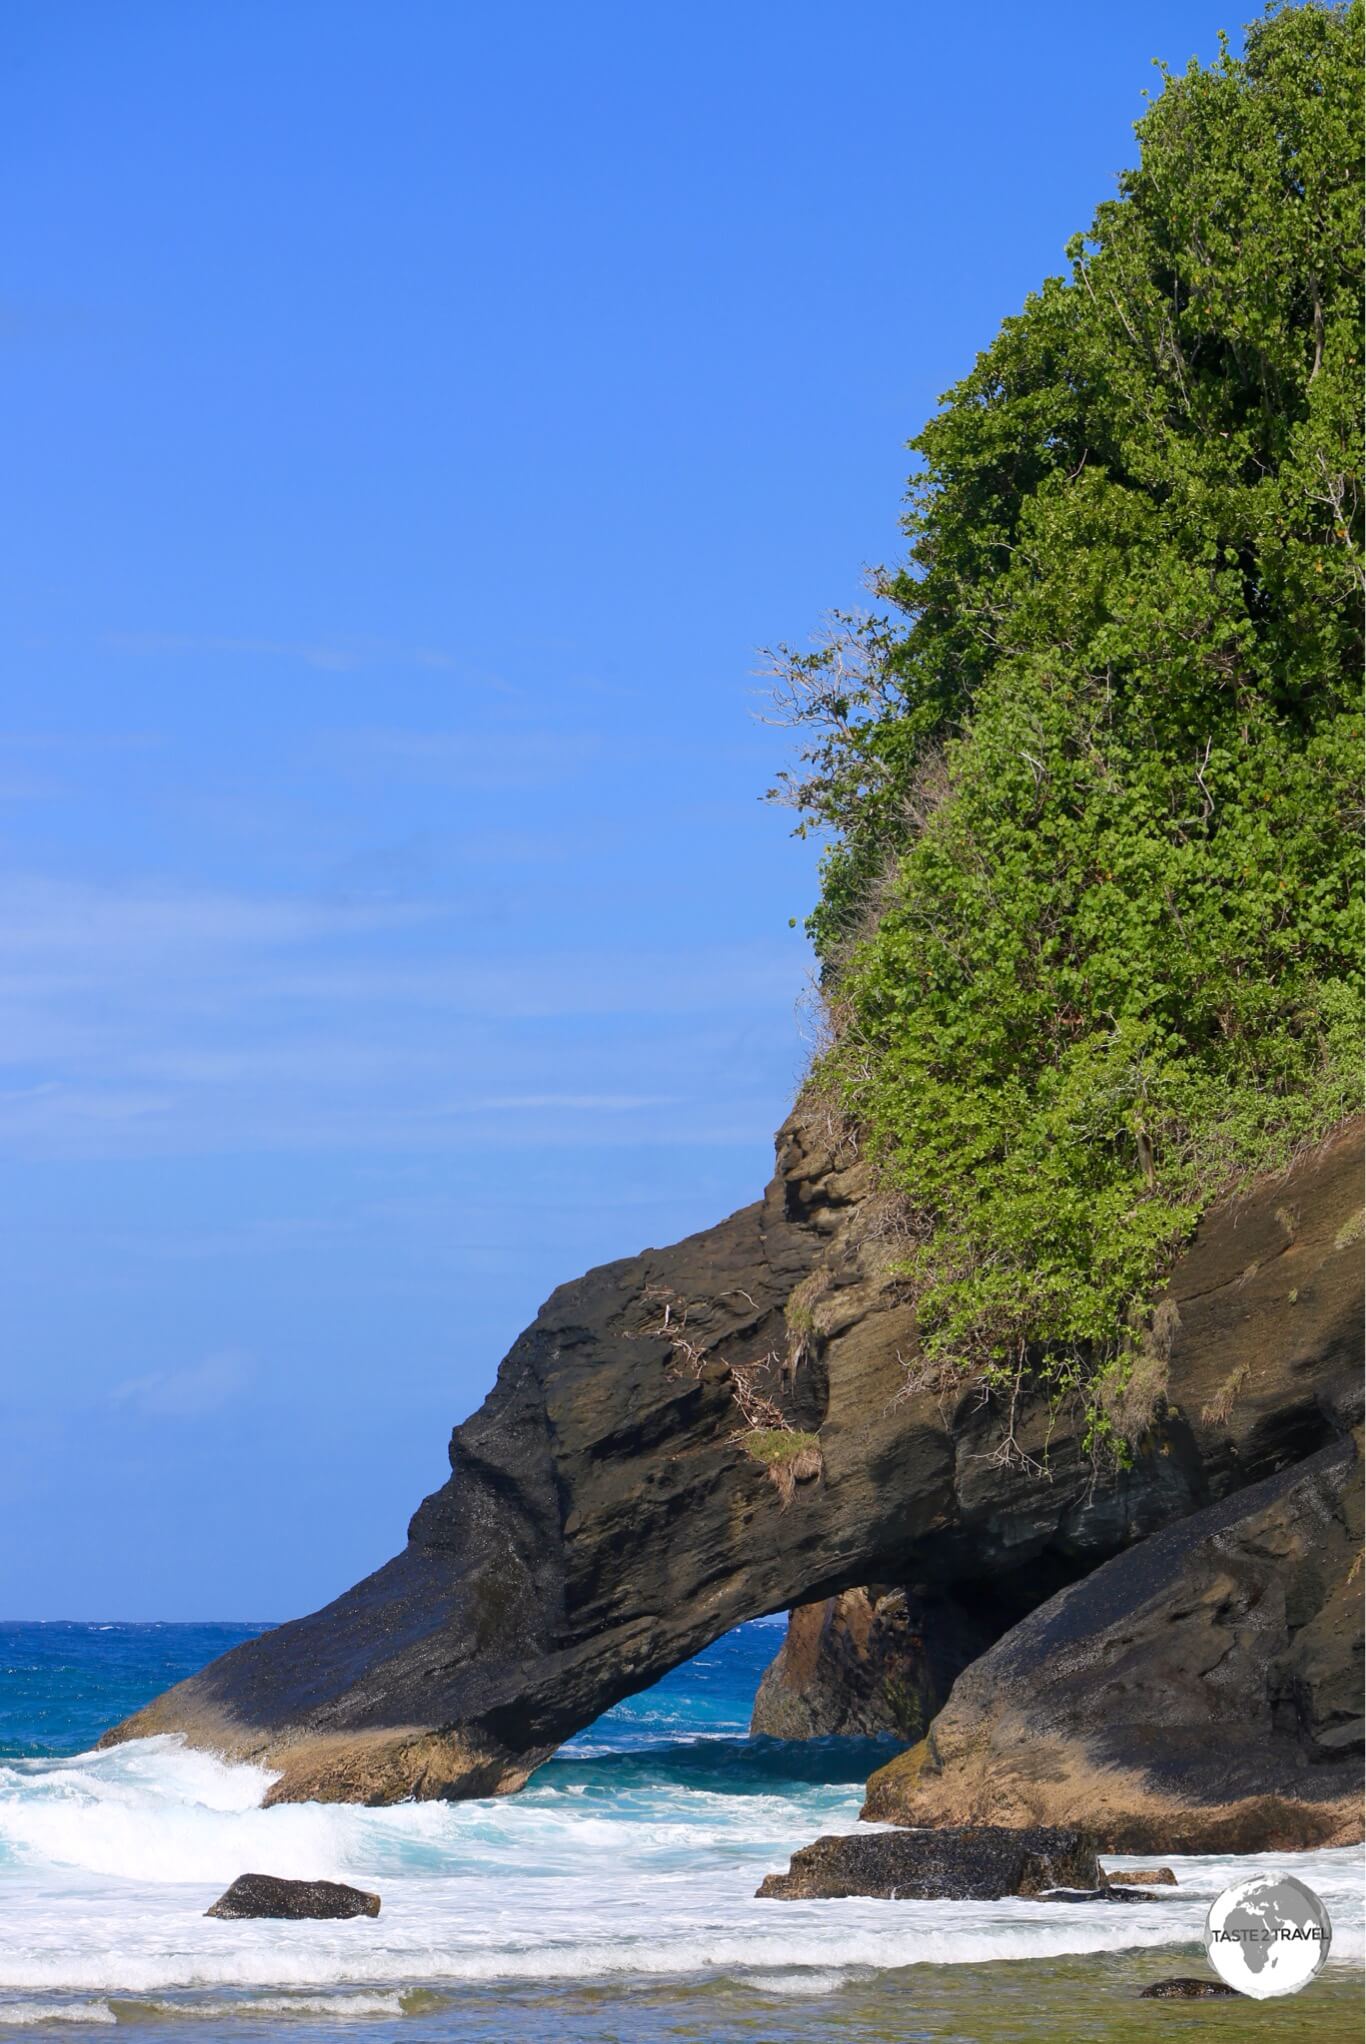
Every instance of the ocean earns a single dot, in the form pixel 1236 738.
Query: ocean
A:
pixel 611 1902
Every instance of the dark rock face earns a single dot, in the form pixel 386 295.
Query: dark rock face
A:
pixel 979 1864
pixel 266 1895
pixel 1201 1690
pixel 1181 1989
pixel 867 1662
pixel 602 1522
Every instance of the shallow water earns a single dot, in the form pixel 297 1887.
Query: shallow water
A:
pixel 614 1898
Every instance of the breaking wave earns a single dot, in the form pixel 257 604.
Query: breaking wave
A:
pixel 626 1868
pixel 608 1865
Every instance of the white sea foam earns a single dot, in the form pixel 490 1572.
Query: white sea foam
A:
pixel 24 2014
pixel 800 1980
pixel 112 1858
pixel 355 2007
pixel 352 2007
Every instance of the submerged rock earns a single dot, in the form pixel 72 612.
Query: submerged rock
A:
pixel 1102 1894
pixel 981 1864
pixel 268 1895
pixel 1181 1989
pixel 1199 1693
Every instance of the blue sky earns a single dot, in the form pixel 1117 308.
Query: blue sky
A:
pixel 415 418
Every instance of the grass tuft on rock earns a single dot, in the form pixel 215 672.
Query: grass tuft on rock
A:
pixel 789 1456
pixel 775 1447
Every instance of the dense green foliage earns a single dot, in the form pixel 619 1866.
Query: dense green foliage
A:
pixel 1090 916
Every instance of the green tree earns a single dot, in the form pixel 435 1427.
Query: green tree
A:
pixel 1090 916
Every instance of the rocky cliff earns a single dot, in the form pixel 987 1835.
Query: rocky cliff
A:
pixel 725 1428
pixel 1200 1692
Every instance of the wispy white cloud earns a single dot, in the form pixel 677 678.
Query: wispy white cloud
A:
pixel 35 765
pixel 576 1103
pixel 80 741
pixel 543 985
pixel 339 654
pixel 190 1393
pixel 53 1104
pixel 136 1022
pixel 80 921
pixel 489 761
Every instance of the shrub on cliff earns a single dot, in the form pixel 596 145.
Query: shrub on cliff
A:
pixel 1089 921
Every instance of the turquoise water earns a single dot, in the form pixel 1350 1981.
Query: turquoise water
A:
pixel 63 1683
pixel 612 1900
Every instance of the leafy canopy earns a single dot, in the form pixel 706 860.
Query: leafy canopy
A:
pixel 1089 921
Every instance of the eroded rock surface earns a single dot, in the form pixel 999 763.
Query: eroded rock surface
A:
pixel 253 1895
pixel 602 1521
pixel 1182 1988
pixel 868 1662
pixel 978 1864
pixel 1200 1692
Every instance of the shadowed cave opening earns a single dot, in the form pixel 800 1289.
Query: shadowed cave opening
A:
pixel 690 1731
pixel 824 1692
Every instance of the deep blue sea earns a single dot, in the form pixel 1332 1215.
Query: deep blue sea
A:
pixel 611 1902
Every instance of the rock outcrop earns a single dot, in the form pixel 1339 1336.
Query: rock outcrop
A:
pixel 868 1662
pixel 255 1895
pixel 1200 1692
pixel 605 1518
pixel 980 1864
pixel 1183 1988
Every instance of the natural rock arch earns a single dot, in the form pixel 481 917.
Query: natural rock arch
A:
pixel 605 1520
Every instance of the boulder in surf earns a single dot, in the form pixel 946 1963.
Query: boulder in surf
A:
pixel 976 1863
pixel 269 1895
